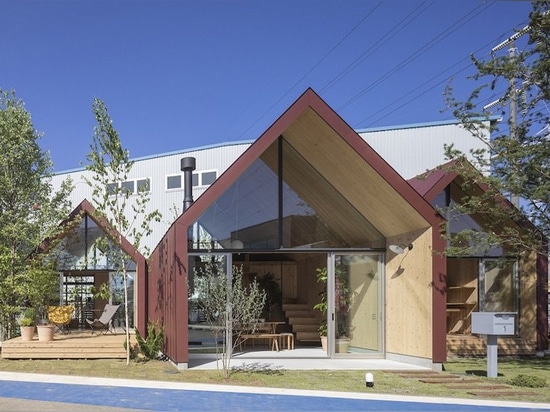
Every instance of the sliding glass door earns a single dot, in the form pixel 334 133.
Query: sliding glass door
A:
pixel 355 318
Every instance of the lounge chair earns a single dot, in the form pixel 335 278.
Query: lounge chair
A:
pixel 104 323
pixel 61 317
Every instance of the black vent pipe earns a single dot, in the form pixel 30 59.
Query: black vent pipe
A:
pixel 187 167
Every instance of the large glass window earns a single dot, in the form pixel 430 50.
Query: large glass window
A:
pixel 281 201
pixel 498 291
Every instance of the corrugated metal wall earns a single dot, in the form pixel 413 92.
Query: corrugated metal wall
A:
pixel 413 150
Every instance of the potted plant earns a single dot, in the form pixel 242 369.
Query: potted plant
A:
pixel 45 330
pixel 343 301
pixel 27 324
pixel 342 338
pixel 322 306
pixel 42 290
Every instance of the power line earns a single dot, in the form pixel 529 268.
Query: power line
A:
pixel 398 27
pixel 369 13
pixel 420 51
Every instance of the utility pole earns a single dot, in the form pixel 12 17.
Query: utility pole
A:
pixel 512 121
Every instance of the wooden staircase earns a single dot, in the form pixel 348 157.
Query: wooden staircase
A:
pixel 303 320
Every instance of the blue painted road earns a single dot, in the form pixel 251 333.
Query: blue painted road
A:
pixel 235 399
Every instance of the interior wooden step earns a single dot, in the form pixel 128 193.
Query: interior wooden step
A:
pixel 308 336
pixel 310 327
pixel 303 321
pixel 296 306
pixel 299 313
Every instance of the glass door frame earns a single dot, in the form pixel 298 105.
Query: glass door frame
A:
pixel 331 303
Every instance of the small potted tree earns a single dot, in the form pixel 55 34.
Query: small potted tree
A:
pixel 42 290
pixel 322 306
pixel 343 302
pixel 27 324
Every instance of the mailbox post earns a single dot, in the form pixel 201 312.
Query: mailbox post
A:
pixel 493 324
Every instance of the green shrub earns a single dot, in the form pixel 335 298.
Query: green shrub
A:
pixel 151 346
pixel 528 381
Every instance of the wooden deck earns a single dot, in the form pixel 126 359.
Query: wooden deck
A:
pixel 79 344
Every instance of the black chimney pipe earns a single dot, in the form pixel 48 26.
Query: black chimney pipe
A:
pixel 187 167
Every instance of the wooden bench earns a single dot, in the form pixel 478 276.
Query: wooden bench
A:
pixel 274 337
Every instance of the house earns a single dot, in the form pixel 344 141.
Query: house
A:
pixel 84 268
pixel 310 193
pixel 495 279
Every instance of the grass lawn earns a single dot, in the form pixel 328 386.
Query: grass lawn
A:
pixel 387 382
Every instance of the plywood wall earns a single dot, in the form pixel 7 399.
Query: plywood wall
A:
pixel 408 295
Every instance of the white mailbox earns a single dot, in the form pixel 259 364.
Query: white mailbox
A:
pixel 494 323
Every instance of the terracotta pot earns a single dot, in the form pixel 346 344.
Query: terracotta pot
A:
pixel 324 343
pixel 45 332
pixel 27 333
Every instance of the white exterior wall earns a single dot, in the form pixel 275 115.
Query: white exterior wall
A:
pixel 156 168
pixel 412 150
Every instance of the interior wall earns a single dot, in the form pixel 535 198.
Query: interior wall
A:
pixel 408 296
pixel 99 279
pixel 308 288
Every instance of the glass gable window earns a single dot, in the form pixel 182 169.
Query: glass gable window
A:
pixel 281 201
pixel 249 204
pixel 85 248
pixel 466 232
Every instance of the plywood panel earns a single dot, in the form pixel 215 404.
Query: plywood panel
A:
pixel 369 192
pixel 409 297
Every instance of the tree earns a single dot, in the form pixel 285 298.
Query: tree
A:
pixel 518 154
pixel 230 307
pixel 127 213
pixel 29 212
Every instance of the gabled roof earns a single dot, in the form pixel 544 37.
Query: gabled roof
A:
pixel 341 157
pixel 83 209
pixel 434 181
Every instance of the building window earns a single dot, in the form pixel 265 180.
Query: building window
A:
pixel 111 188
pixel 173 182
pixel 130 186
pixel 206 178
pixel 143 185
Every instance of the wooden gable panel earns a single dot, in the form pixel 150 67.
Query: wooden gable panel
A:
pixel 352 175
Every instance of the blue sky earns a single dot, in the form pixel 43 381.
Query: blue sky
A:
pixel 182 74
